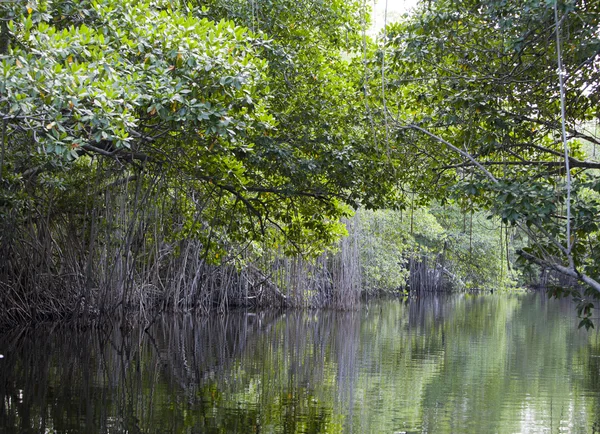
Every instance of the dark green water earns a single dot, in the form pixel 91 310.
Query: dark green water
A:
pixel 472 364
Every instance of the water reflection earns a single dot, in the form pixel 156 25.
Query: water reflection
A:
pixel 494 363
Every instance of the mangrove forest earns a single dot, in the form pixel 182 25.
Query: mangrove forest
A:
pixel 299 216
pixel 163 156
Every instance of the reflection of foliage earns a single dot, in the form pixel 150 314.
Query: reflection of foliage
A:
pixel 460 363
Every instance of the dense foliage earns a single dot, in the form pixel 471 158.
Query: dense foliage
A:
pixel 474 97
pixel 438 248
pixel 164 154
pixel 209 106
pixel 144 141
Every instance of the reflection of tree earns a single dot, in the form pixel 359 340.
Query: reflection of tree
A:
pixel 446 364
pixel 257 369
pixel 503 364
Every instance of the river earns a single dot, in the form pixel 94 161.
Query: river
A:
pixel 504 363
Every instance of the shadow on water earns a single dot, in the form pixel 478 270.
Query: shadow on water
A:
pixel 495 363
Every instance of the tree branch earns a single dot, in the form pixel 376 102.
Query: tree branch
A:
pixel 454 148
pixel 561 269
pixel 574 164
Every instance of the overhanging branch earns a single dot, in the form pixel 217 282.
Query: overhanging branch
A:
pixel 567 271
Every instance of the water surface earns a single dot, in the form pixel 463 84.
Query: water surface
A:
pixel 473 364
